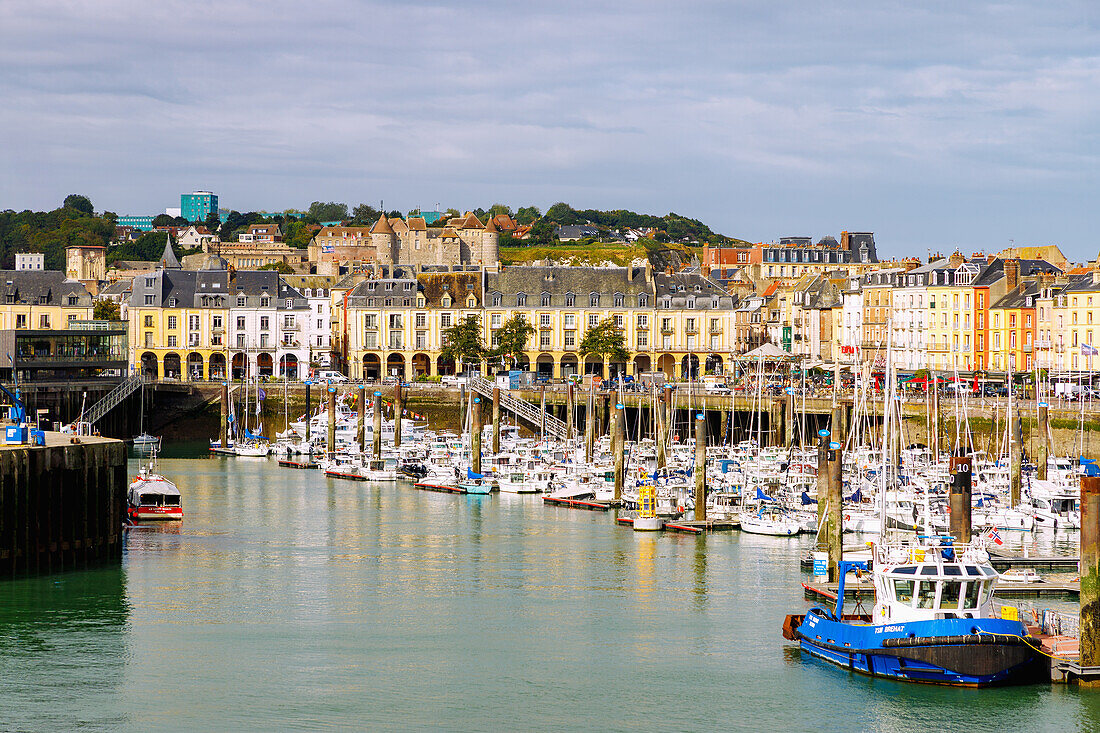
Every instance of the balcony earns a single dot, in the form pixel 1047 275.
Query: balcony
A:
pixel 669 330
pixel 290 326
pixel 691 330
pixel 1027 348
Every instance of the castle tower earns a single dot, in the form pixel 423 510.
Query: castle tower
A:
pixel 384 240
pixel 490 245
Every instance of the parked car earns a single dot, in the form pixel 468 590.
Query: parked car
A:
pixel 330 377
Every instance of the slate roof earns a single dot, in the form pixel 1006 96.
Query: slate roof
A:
pixel 42 287
pixel 690 290
pixel 560 281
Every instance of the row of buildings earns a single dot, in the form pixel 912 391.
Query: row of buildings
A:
pixel 833 302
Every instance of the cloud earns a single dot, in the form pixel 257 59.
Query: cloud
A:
pixel 972 121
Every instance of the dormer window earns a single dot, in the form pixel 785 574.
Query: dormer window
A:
pixel 290 302
pixel 545 300
pixel 570 300
pixel 149 282
pixel 265 302
pixel 240 301
pixel 643 300
pixel 619 300
pixel 497 299
pixel 420 301
pixel 408 286
pixel 446 301
pixel 371 286
pixel 172 302
pixel 521 299
pixel 594 300
pixel 471 302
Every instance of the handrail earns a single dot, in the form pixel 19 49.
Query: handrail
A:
pixel 109 401
pixel 521 407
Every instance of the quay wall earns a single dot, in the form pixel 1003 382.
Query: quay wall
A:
pixel 61 505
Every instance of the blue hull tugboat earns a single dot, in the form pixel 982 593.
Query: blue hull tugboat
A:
pixel 933 620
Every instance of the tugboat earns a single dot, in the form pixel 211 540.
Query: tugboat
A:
pixel 933 620
pixel 151 496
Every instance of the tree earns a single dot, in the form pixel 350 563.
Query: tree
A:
pixel 364 215
pixel 331 211
pixel 496 209
pixel 512 337
pixel 528 214
pixel 213 221
pixel 542 233
pixel 463 341
pixel 162 220
pixel 605 341
pixel 78 202
pixel 106 310
pixel 111 217
pixel 281 267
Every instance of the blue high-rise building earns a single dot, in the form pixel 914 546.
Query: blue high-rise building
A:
pixel 198 205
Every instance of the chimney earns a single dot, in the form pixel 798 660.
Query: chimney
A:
pixel 1012 273
pixel 956 260
pixel 648 271
pixel 1096 277
pixel 845 241
pixel 1046 279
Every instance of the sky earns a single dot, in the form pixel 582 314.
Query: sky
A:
pixel 936 125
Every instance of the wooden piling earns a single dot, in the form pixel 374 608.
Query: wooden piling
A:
pixel 542 413
pixel 376 438
pixel 398 408
pixel 496 420
pixel 1090 574
pixel 959 498
pixel 788 420
pixel 361 419
pixel 223 429
pixel 475 436
pixel 700 467
pixel 309 414
pixel 1043 448
pixel 569 410
pixel 330 443
pixel 661 436
pixel 618 440
pixel 834 525
pixel 589 425
pixel 1015 458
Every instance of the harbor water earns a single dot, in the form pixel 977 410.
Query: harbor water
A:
pixel 287 601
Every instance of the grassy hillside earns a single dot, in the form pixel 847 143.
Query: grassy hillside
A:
pixel 659 254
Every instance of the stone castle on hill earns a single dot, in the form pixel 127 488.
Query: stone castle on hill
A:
pixel 462 240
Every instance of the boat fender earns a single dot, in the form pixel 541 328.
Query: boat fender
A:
pixel 847 517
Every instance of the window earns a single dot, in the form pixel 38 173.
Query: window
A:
pixel 570 339
pixel 240 323
pixel 263 340
pixel 408 286
pixel 570 300
pixel 643 300
pixel 643 320
pixel 395 320
pixel 319 311
pixel 240 340
pixel 521 299
pixel 445 320
pixel 903 591
pixel 43 321
pixel 618 320
pixel 320 340
pixel 618 300
pixel 570 320
pixel 666 342
pixel 370 340
pixel 193 323
pixel 148 340
pixel 148 321
pixel 594 300
pixel 497 299
pixel 216 322
pixel 422 320
pixel 149 282
pixel 421 339
pixel 149 300
pixel 172 321
pixel 544 320
pixel 240 301
pixel 370 320
pixel 172 341
pixel 193 339
pixel 395 340
pixel 544 339
pixel 691 343
pixel 545 300
pixel 593 320
pixel 643 339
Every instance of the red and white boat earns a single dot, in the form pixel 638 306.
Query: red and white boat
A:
pixel 151 496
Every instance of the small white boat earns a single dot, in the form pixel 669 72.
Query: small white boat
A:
pixel 770 522
pixel 1021 575
pixel 151 496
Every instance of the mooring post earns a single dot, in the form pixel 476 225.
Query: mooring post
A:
pixel 542 413
pixel 959 498
pixel 496 420
pixel 309 415
pixel 618 442
pixel 1043 450
pixel 935 437
pixel 836 424
pixel 834 527
pixel 661 432
pixel 775 422
pixel 475 436
pixel 788 419
pixel 700 467
pixel 223 431
pixel 330 444
pixel 1015 458
pixel 589 425
pixel 822 487
pixel 361 419
pixel 376 438
pixel 569 406
pixel 723 428
pixel 1090 574
pixel 398 408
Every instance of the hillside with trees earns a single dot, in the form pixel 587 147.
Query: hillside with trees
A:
pixel 50 232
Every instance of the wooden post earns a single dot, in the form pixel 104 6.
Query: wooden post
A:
pixel 661 432
pixel 589 425
pixel 1090 573
pixel 700 467
pixel 542 413
pixel 361 421
pixel 330 444
pixel 618 442
pixel 223 431
pixel 836 424
pixel 834 526
pixel 788 420
pixel 569 406
pixel 723 429
pixel 496 420
pixel 1043 451
pixel 959 498
pixel 1015 458
pixel 309 415
pixel 475 436
pixel 398 408
pixel 376 439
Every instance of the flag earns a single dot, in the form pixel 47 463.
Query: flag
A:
pixel 1089 350
pixel 995 536
pixel 263 395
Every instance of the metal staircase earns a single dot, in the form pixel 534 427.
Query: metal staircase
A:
pixel 523 408
pixel 113 398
